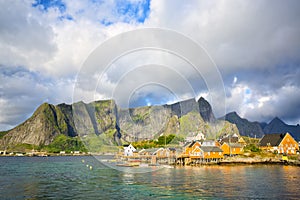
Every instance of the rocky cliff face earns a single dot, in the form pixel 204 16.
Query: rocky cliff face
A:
pixel 246 128
pixel 206 110
pixel 104 119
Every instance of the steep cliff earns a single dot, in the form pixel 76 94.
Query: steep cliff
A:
pixel 106 122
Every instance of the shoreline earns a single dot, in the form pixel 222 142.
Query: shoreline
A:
pixel 55 154
pixel 225 162
pixel 233 163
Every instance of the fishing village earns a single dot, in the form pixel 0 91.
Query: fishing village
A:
pixel 196 150
pixel 230 149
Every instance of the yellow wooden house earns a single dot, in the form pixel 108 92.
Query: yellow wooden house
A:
pixel 282 143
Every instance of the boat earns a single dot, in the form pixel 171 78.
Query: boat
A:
pixel 124 165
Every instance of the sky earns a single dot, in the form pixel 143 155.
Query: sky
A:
pixel 253 47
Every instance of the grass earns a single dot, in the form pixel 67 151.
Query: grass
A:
pixel 22 147
pixel 3 133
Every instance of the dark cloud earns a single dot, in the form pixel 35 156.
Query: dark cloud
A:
pixel 273 93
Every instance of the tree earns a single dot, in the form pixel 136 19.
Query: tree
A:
pixel 162 140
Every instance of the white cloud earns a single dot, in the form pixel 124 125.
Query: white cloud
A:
pixel 25 38
pixel 242 37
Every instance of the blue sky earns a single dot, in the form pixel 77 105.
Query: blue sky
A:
pixel 255 45
pixel 45 5
pixel 126 11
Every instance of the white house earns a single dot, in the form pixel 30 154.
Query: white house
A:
pixel 195 137
pixel 128 150
pixel 209 143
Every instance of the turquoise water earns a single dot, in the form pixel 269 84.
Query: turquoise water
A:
pixel 70 178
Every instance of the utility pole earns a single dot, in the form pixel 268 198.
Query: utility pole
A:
pixel 229 146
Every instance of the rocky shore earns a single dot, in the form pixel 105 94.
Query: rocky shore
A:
pixel 258 160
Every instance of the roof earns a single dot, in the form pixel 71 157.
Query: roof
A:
pixel 193 143
pixel 272 139
pixel 172 149
pixel 230 139
pixel 153 151
pixel 209 143
pixel 211 149
pixel 187 144
pixel 234 145
pixel 127 145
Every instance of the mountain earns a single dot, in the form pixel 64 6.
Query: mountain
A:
pixel 246 128
pixel 256 129
pixel 104 123
pixel 47 122
pixel 278 126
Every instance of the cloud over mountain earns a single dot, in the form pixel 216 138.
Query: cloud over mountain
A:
pixel 255 45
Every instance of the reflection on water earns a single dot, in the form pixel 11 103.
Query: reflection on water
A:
pixel 128 178
pixel 69 178
pixel 290 180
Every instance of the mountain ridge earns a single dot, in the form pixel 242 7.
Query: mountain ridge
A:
pixel 116 125
pixel 258 129
pixel 246 128
pixel 105 119
pixel 276 125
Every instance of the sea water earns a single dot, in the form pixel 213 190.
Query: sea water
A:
pixel 84 177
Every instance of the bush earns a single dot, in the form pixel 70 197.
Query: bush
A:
pixel 162 140
pixel 252 148
pixel 65 143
